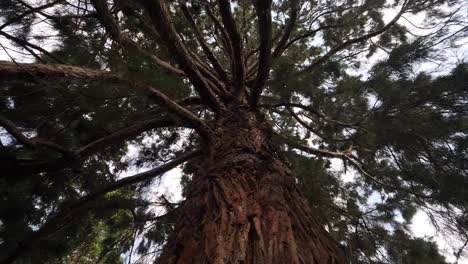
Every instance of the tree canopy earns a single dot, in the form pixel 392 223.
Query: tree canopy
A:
pixel 351 81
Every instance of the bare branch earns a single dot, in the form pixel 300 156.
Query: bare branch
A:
pixel 321 115
pixel 306 35
pixel 92 147
pixel 55 18
pixel 287 104
pixel 305 125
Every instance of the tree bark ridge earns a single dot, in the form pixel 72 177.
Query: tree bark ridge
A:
pixel 243 205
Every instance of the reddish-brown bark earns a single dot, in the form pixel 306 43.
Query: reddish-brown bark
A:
pixel 243 205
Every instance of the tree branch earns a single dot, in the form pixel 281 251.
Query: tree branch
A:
pixel 122 134
pixel 287 30
pixel 113 29
pixel 305 125
pixel 350 42
pixel 70 213
pixel 92 147
pixel 10 69
pixel 31 10
pixel 263 10
pixel 25 43
pixel 219 28
pixel 11 128
pixel 237 56
pixel 319 114
pixel 347 156
pixel 306 35
pixel 159 15
pixel 209 54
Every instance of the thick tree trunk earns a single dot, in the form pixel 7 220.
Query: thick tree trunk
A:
pixel 243 205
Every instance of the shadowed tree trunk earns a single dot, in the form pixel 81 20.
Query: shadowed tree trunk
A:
pixel 243 205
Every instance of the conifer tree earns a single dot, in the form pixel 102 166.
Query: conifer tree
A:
pixel 255 101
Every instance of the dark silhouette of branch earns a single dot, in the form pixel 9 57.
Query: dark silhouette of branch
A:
pixel 305 35
pixel 11 128
pixel 353 161
pixel 305 125
pixel 113 29
pixel 350 42
pixel 10 69
pixel 54 17
pixel 219 30
pixel 25 43
pixel 209 54
pixel 319 114
pixel 237 56
pixel 32 10
pixel 71 213
pixel 263 10
pixel 294 10
pixel 122 134
pixel 93 146
pixel 161 21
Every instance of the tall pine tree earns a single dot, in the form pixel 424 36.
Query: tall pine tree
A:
pixel 256 101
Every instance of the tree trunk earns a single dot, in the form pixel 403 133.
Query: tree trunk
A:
pixel 243 205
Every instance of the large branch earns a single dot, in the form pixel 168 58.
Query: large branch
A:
pixel 11 128
pixel 319 114
pixel 113 29
pixel 31 10
pixel 305 125
pixel 10 69
pixel 352 160
pixel 160 17
pixel 350 42
pixel 263 10
pixel 25 43
pixel 79 208
pixel 72 157
pixel 122 134
pixel 213 81
pixel 237 56
pixel 219 30
pixel 209 54
pixel 288 29
pixel 93 146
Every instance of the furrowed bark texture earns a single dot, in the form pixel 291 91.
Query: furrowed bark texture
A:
pixel 243 205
